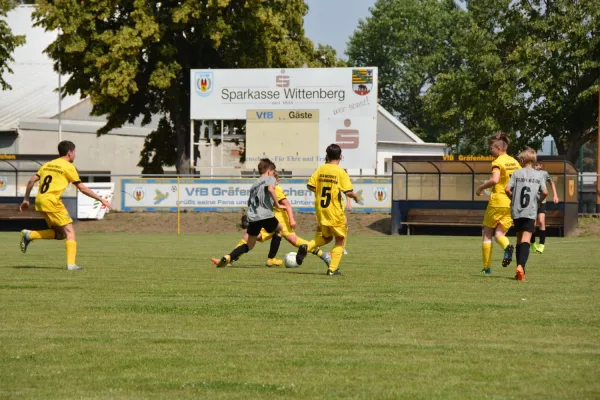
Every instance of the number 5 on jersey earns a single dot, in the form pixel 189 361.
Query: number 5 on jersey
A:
pixel 325 197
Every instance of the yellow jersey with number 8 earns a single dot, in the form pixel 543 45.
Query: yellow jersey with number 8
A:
pixel 329 181
pixel 506 165
pixel 55 177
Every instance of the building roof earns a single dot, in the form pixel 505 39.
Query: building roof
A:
pixel 390 129
pixel 34 81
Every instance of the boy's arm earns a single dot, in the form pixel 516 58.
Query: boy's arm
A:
pixel 30 184
pixel 543 195
pixel 508 189
pixel 555 199
pixel 274 196
pixel 353 196
pixel 489 183
pixel 90 193
pixel 290 212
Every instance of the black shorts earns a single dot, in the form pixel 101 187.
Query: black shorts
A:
pixel 542 208
pixel 270 225
pixel 524 224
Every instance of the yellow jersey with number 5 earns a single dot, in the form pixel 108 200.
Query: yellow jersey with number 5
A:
pixel 506 165
pixel 328 182
pixel 55 177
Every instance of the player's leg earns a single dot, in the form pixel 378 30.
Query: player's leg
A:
pixel 346 237
pixel 504 223
pixel 523 251
pixel 243 240
pixel 319 240
pixel 275 237
pixel 533 235
pixel 490 222
pixel 486 250
pixel 253 231
pixel 27 236
pixel 275 228
pixel 297 241
pixel 542 233
pixel 519 271
pixel 68 232
pixel 338 249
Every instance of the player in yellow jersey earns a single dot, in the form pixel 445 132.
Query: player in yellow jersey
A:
pixel 288 224
pixel 497 220
pixel 329 182
pixel 54 177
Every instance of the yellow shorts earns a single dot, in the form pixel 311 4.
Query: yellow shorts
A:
pixel 495 216
pixel 286 230
pixel 57 219
pixel 335 231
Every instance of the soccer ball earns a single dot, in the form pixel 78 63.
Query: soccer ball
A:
pixel 290 260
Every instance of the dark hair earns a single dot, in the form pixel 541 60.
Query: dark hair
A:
pixel 500 137
pixel 264 165
pixel 64 147
pixel 334 152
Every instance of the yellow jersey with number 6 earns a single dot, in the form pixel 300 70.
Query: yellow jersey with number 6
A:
pixel 506 165
pixel 55 177
pixel 328 182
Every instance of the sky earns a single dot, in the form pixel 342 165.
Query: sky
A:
pixel 332 22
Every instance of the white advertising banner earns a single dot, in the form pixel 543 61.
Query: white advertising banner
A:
pixel 232 194
pixel 88 208
pixel 346 100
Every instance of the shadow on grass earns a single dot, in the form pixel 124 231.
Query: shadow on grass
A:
pixel 32 267
pixel 248 266
pixel 512 278
pixel 383 225
pixel 287 271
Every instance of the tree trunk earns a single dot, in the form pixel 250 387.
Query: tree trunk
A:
pixel 572 152
pixel 182 161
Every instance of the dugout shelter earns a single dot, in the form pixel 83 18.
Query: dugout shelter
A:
pixel 15 172
pixel 437 194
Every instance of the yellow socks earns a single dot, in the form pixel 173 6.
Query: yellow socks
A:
pixel 71 247
pixel 318 241
pixel 46 234
pixel 336 257
pixel 486 249
pixel 502 241
pixel 241 243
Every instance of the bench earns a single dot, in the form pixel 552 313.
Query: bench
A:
pixel 10 211
pixel 466 218
pixel 12 219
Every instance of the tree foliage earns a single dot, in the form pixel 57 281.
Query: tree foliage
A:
pixel 8 42
pixel 133 57
pixel 410 41
pixel 527 67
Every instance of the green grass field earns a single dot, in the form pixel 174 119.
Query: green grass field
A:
pixel 151 317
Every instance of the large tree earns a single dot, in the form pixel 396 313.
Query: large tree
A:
pixel 133 57
pixel 527 67
pixel 531 68
pixel 411 42
pixel 8 41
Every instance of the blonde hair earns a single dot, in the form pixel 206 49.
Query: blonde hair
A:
pixel 528 156
pixel 499 139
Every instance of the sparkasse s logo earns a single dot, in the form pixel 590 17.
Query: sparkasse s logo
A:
pixel 347 138
pixel 282 80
